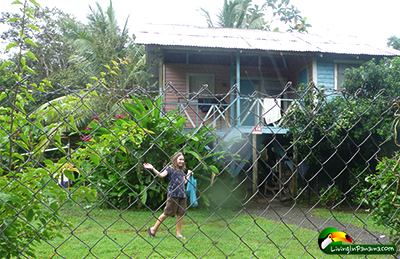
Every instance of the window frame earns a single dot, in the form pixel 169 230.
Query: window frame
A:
pixel 188 77
pixel 341 62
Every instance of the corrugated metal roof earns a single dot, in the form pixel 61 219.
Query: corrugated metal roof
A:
pixel 228 38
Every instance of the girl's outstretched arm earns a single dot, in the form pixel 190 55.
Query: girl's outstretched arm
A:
pixel 151 167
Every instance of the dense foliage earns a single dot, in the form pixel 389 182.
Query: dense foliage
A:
pixel 30 197
pixel 374 76
pixel 115 150
pixel 384 195
pixel 340 136
pixel 69 52
pixel 346 137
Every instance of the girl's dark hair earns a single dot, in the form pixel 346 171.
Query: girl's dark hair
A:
pixel 175 162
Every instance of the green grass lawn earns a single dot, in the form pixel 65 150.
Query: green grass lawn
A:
pixel 105 233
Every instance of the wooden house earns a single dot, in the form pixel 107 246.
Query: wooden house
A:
pixel 246 72
pixel 252 60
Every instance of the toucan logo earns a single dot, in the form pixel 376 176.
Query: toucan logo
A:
pixel 332 236
pixel 331 241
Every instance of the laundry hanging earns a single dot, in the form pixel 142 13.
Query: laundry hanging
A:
pixel 271 110
pixel 191 191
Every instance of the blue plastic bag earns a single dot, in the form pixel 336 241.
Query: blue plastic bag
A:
pixel 191 191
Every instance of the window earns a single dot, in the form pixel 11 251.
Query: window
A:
pixel 196 81
pixel 340 69
pixel 302 77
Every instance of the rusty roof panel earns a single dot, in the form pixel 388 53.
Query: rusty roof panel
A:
pixel 228 38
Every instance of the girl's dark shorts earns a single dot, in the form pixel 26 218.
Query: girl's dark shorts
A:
pixel 175 206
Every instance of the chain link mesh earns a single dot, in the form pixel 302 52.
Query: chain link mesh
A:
pixel 78 157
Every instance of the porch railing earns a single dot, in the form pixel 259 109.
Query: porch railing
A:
pixel 215 112
pixel 249 113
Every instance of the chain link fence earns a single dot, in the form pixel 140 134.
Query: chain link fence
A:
pixel 271 171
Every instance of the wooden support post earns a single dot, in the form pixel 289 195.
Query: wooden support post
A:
pixel 238 89
pixel 255 164
pixel 295 170
pixel 69 157
pixel 281 186
pixel 161 76
pixel 294 180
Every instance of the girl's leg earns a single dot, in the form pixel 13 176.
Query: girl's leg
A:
pixel 158 223
pixel 179 221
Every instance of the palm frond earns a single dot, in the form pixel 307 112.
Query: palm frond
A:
pixel 208 18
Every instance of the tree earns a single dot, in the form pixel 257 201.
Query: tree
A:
pixel 373 77
pixel 246 15
pixel 49 48
pixel 98 42
pixel 393 42
pixel 101 47
pixel 101 54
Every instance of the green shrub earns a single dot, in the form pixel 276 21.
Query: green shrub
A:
pixel 384 196
pixel 331 195
pixel 306 195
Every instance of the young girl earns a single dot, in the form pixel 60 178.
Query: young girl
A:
pixel 176 202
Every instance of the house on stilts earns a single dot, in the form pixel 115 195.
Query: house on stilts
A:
pixel 247 73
